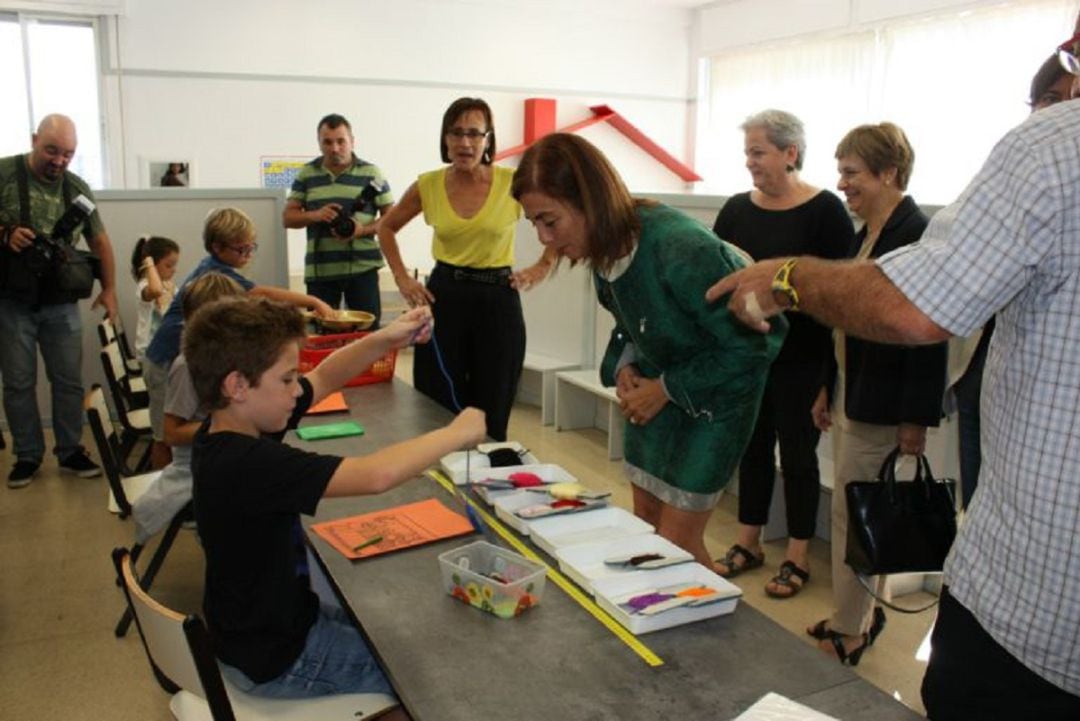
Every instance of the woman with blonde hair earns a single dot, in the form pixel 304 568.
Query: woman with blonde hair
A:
pixel 889 394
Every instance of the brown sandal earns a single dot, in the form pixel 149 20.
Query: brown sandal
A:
pixel 748 561
pixel 788 570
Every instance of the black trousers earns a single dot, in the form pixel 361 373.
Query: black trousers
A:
pixel 970 676
pixel 480 332
pixel 784 417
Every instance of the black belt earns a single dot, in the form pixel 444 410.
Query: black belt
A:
pixel 490 276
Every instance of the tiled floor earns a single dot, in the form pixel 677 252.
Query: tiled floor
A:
pixel 58 601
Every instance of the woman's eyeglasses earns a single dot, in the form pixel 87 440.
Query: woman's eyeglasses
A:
pixel 470 134
pixel 1066 54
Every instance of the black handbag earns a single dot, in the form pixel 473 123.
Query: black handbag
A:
pixel 900 526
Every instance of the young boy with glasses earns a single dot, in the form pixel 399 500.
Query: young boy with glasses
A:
pixel 229 239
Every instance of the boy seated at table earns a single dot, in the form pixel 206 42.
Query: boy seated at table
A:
pixel 171 490
pixel 268 628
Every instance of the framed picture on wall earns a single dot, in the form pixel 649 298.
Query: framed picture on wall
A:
pixel 167 173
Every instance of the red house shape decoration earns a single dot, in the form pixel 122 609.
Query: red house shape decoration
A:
pixel 540 120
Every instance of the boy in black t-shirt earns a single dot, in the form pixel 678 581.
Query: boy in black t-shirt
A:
pixel 267 626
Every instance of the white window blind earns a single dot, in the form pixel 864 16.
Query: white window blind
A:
pixel 955 83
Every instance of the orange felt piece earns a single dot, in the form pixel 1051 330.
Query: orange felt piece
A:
pixel 333 403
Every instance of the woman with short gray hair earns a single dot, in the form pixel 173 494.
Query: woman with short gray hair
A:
pixel 783 216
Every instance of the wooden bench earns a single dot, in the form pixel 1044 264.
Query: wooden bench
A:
pixel 582 402
pixel 539 370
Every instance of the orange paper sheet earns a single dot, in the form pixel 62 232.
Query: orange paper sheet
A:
pixel 333 403
pixel 402 527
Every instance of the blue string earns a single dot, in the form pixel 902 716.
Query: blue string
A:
pixel 474 518
pixel 446 374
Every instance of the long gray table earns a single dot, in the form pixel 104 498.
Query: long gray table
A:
pixel 449 661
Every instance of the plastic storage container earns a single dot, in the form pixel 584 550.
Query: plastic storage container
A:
pixel 492 579
pixel 317 347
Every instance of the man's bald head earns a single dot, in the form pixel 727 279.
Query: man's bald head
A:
pixel 53 146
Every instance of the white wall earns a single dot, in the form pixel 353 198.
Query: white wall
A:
pixel 223 84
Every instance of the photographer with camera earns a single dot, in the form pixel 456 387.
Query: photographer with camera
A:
pixel 43 207
pixel 337 197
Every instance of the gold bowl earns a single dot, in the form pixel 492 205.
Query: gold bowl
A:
pixel 345 321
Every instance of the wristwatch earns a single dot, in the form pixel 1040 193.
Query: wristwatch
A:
pixel 781 283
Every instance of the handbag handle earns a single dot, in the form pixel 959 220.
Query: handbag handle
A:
pixel 887 473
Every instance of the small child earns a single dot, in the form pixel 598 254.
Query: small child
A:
pixel 153 265
pixel 171 490
pixel 229 239
pixel 267 626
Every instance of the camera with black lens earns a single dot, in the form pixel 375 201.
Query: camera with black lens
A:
pixel 48 252
pixel 344 226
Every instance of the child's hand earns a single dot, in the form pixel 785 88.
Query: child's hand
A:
pixel 322 309
pixel 411 327
pixel 472 425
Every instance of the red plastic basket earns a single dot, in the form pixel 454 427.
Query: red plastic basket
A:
pixel 317 347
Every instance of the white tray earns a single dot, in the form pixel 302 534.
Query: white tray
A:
pixel 602 524
pixel 453 464
pixel 510 501
pixel 610 590
pixel 548 473
pixel 585 563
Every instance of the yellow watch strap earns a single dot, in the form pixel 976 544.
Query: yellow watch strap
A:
pixel 781 282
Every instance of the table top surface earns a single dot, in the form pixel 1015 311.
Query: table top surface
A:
pixel 450 661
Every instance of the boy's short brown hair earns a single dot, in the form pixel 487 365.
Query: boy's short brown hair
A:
pixel 242 334
pixel 227 226
pixel 206 288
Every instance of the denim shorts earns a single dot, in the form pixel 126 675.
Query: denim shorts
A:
pixel 335 660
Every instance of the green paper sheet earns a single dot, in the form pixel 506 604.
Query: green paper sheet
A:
pixel 330 430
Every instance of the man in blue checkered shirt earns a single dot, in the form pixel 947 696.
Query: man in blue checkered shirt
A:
pixel 1007 640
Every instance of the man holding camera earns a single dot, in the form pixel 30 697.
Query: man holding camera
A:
pixel 337 197
pixel 37 306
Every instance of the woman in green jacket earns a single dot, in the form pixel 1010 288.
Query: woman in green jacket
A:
pixel 689 377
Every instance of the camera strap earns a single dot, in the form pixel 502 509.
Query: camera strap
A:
pixel 22 179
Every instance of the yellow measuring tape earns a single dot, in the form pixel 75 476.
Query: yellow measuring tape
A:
pixel 568 586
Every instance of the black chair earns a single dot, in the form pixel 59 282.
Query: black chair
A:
pixel 109 332
pixel 178 648
pixel 132 410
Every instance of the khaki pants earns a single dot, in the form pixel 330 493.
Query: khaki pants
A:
pixel 859 449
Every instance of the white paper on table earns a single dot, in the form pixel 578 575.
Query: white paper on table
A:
pixel 774 707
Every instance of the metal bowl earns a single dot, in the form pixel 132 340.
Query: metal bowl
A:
pixel 345 321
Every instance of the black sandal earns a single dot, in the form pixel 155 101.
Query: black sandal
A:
pixel 783 579
pixel 749 561
pixel 820 630
pixel 847 658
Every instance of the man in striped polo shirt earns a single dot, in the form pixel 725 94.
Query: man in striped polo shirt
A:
pixel 337 197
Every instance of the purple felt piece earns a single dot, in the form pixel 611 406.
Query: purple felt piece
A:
pixel 648 599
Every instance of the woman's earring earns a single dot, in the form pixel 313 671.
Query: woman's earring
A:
pixel 790 168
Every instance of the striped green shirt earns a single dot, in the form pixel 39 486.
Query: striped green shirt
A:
pixel 329 257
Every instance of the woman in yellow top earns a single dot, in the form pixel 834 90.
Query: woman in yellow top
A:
pixel 473 292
